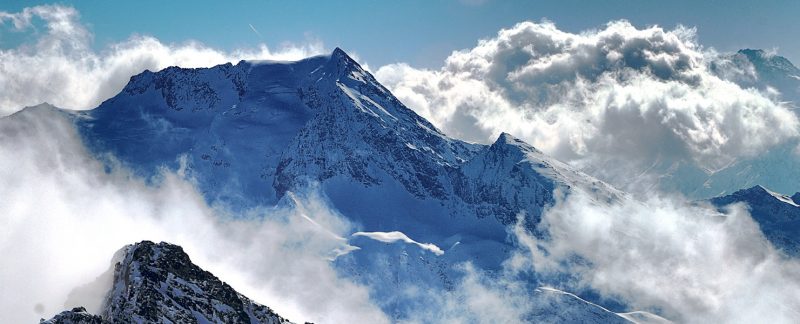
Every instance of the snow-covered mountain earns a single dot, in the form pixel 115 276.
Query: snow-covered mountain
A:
pixel 769 70
pixel 251 132
pixel 158 283
pixel 777 215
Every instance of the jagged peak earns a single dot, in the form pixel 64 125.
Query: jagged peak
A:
pixel 341 64
pixel 339 54
pixel 506 140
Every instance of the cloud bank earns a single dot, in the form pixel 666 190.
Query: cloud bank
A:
pixel 61 67
pixel 615 93
pixel 64 216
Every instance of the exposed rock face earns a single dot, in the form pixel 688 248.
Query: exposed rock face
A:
pixel 77 315
pixel 158 283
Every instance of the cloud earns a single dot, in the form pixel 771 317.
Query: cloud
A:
pixel 61 67
pixel 64 216
pixel 391 237
pixel 686 261
pixel 615 93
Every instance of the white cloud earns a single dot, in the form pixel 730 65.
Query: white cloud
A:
pixel 61 67
pixel 64 216
pixel 616 93
pixel 391 237
pixel 691 263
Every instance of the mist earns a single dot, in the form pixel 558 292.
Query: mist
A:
pixel 685 261
pixel 65 215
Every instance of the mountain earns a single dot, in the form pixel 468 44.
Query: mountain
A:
pixel 158 283
pixel 250 133
pixel 771 70
pixel 777 215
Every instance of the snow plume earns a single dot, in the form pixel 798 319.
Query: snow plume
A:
pixel 65 215
pixel 391 237
pixel 688 261
pixel 618 92
pixel 61 67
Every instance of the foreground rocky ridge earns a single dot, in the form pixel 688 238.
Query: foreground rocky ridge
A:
pixel 158 283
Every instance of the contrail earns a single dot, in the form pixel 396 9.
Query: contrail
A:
pixel 255 30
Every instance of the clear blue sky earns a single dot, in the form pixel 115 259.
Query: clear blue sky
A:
pixel 422 32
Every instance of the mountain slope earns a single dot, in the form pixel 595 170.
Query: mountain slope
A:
pixel 158 283
pixel 252 132
pixel 777 215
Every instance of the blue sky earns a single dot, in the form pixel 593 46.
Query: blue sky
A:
pixel 421 33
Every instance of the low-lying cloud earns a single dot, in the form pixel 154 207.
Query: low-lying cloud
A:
pixel 621 93
pixel 686 261
pixel 61 67
pixel 64 216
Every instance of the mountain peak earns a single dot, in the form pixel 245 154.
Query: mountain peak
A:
pixel 506 140
pixel 158 283
pixel 148 268
pixel 758 193
pixel 768 62
pixel 343 64
pixel 338 52
pixel 752 52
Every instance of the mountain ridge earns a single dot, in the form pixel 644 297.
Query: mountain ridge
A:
pixel 158 283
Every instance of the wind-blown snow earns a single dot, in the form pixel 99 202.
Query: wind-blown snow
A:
pixel 391 237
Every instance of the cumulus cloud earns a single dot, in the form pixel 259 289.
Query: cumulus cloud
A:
pixel 64 216
pixel 61 67
pixel 615 93
pixel 686 261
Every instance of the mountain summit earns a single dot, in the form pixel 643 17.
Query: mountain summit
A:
pixel 252 132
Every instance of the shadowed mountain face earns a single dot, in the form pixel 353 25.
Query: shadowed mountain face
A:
pixel 250 132
pixel 158 283
pixel 253 131
pixel 777 215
